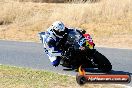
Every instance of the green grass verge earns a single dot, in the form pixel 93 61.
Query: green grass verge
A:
pixel 14 77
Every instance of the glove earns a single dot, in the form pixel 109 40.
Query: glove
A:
pixel 82 48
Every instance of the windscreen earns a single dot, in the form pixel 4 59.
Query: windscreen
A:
pixel 74 37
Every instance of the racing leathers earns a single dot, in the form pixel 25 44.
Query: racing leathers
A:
pixel 53 44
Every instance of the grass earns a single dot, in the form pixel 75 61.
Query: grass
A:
pixel 108 21
pixel 14 77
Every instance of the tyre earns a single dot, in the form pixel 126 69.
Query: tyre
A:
pixel 102 62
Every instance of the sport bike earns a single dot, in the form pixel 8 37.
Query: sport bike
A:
pixel 87 56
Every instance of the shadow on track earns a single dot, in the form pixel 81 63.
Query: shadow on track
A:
pixel 96 71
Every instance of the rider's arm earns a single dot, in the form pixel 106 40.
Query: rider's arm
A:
pixel 51 49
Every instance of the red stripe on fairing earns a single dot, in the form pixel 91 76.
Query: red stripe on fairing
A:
pixel 88 37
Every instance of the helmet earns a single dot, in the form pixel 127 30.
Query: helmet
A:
pixel 58 28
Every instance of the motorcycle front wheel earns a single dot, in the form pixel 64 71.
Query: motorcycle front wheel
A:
pixel 102 62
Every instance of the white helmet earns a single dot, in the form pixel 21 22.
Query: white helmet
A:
pixel 58 28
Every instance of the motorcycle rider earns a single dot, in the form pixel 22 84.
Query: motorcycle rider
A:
pixel 54 39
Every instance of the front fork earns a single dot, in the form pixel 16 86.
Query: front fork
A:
pixel 90 56
pixel 93 62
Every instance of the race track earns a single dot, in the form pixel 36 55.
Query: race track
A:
pixel 29 54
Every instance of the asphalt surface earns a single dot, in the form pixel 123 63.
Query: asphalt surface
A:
pixel 31 55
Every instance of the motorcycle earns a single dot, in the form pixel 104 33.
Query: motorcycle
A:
pixel 87 56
